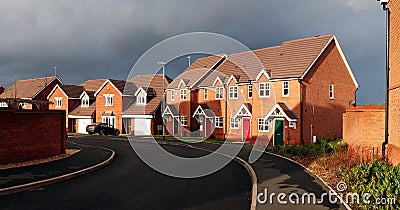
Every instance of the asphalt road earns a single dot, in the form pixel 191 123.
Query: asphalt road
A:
pixel 277 175
pixel 128 183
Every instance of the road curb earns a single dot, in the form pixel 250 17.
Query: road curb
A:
pixel 245 164
pixel 309 171
pixel 41 183
pixel 253 178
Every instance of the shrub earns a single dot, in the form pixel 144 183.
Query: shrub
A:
pixel 377 178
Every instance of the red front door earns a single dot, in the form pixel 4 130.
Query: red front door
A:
pixel 246 129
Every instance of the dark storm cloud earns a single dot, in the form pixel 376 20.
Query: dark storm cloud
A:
pixel 102 39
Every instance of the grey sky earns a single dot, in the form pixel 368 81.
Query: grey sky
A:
pixel 88 39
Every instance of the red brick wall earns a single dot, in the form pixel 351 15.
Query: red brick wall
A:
pixel 394 85
pixel 364 130
pixel 393 154
pixel 27 135
pixel 319 110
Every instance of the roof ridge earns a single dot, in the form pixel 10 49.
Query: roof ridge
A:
pixel 36 78
pixel 309 38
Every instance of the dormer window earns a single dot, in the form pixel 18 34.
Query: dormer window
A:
pixel 85 100
pixel 141 100
pixel 141 96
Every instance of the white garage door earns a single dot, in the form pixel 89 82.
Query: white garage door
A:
pixel 82 123
pixel 142 127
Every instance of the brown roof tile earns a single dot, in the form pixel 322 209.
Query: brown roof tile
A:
pixel 84 111
pixel 289 60
pixel 27 88
pixel 93 85
pixel 189 77
pixel 290 113
pixel 204 63
pixel 119 84
pixel 152 82
pixel 72 91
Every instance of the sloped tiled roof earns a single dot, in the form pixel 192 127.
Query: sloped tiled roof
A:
pixel 209 81
pixel 189 77
pixel 72 91
pixel 153 82
pixel 290 113
pixel 27 88
pixel 84 111
pixel 289 60
pixel 119 84
pixel 293 58
pixel 93 85
pixel 206 110
pixel 173 108
pixel 204 63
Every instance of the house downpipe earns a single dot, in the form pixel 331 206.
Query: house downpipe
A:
pixel 385 8
pixel 226 111
pixel 301 110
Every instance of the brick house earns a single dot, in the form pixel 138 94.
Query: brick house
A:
pixel 65 97
pixel 84 113
pixel 285 94
pixel 109 103
pixel 31 89
pixel 142 115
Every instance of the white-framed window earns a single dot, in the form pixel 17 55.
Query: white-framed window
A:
pixel 264 89
pixel 183 120
pixel 57 101
pixel 172 95
pixel 141 100
pixel 108 100
pixel 250 90
pixel 234 123
pixel 219 93
pixel 108 119
pixel 331 91
pixel 183 94
pixel 219 122
pixel 205 94
pixel 263 125
pixel 285 89
pixel 3 104
pixel 85 102
pixel 233 92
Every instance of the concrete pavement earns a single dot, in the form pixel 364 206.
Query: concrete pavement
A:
pixel 24 178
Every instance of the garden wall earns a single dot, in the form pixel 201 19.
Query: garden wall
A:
pixel 28 135
pixel 364 130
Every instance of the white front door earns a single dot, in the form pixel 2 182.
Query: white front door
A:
pixel 82 123
pixel 142 127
